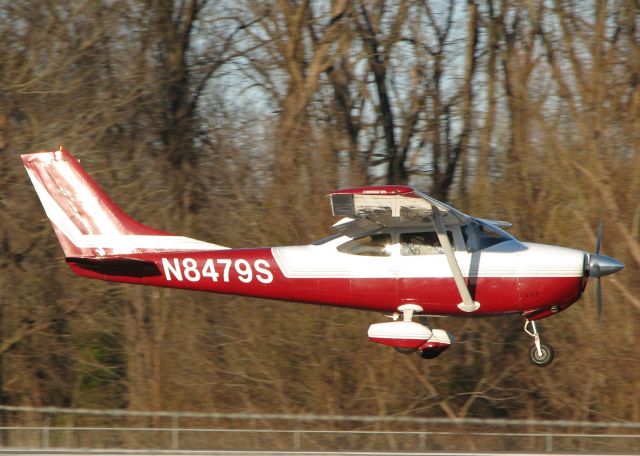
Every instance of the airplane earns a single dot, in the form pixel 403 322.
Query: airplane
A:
pixel 395 250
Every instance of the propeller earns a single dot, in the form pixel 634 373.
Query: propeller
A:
pixel 598 283
pixel 599 266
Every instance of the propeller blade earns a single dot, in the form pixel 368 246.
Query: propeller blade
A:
pixel 599 300
pixel 598 284
pixel 599 239
pixel 601 265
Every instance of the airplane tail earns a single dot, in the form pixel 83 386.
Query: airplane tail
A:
pixel 86 221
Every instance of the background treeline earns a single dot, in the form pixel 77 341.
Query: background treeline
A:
pixel 229 120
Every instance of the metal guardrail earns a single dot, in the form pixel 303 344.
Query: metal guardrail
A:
pixel 320 418
pixel 546 436
pixel 296 435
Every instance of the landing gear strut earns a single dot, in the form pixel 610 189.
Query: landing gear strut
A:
pixel 541 353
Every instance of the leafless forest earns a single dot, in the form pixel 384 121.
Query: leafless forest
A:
pixel 229 121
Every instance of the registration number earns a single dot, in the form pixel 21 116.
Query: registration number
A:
pixel 217 270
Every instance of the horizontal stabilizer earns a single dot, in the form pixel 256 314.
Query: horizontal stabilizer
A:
pixel 117 266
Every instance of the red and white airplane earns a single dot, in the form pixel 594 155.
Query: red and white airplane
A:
pixel 396 250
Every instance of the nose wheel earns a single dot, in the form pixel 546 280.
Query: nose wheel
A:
pixel 541 353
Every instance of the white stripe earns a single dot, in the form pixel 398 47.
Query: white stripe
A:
pixel 300 262
pixel 325 262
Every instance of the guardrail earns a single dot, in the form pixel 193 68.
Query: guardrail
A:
pixel 53 428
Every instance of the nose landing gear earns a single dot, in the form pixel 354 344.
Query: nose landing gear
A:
pixel 541 353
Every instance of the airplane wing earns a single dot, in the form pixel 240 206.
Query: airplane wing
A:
pixel 388 205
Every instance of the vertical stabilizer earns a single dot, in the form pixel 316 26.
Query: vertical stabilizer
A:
pixel 86 221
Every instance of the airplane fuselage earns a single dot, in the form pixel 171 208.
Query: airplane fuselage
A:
pixel 510 277
pixel 395 250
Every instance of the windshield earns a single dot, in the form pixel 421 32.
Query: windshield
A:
pixel 479 235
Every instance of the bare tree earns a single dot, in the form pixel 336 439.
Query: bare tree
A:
pixel 209 118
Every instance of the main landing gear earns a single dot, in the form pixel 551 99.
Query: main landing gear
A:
pixel 408 336
pixel 541 353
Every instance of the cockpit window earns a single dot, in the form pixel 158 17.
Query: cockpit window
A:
pixel 422 243
pixel 479 235
pixel 371 245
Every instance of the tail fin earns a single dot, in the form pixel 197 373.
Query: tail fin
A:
pixel 86 221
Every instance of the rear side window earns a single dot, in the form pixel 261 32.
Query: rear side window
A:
pixel 371 245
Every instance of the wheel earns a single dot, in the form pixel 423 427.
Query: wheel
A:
pixel 431 353
pixel 545 359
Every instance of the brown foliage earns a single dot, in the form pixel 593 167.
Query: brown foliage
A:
pixel 230 121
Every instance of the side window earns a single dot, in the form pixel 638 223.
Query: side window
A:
pixel 423 243
pixel 371 245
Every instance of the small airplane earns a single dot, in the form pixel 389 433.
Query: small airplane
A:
pixel 395 250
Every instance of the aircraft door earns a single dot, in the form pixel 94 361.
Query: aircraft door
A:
pixel 424 275
pixel 371 260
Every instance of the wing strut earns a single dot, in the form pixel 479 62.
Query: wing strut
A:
pixel 467 304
